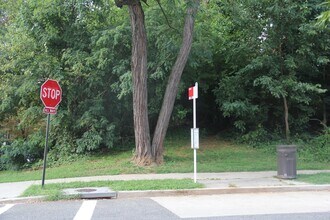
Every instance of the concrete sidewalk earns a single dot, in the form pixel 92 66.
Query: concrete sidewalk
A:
pixel 215 183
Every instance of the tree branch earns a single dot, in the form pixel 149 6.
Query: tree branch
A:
pixel 166 18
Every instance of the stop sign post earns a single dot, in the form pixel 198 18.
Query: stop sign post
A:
pixel 51 96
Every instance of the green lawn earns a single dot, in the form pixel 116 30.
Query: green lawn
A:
pixel 54 191
pixel 214 155
pixel 319 178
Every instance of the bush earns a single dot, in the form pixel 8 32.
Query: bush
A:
pixel 96 138
pixel 22 153
pixel 318 149
pixel 256 138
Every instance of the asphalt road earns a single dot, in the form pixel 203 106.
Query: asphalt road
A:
pixel 258 206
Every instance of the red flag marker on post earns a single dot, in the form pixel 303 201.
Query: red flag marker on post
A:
pixel 51 96
pixel 193 95
pixel 193 92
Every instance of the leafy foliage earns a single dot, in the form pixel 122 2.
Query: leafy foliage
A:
pixel 318 149
pixel 246 57
pixel 69 41
pixel 22 153
pixel 273 58
pixel 324 17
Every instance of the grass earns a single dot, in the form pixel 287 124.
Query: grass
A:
pixel 319 178
pixel 54 191
pixel 214 155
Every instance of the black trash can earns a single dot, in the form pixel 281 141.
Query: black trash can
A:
pixel 286 161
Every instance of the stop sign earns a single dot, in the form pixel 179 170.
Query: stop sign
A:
pixel 51 94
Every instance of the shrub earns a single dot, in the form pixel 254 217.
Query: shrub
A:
pixel 318 148
pixel 22 153
pixel 256 138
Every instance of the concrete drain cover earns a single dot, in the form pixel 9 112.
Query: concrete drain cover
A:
pixel 91 192
pixel 86 190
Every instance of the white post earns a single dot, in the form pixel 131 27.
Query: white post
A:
pixel 195 151
pixel 195 166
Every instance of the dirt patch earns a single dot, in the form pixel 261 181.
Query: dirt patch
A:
pixel 214 142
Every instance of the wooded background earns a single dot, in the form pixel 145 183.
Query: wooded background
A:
pixel 262 68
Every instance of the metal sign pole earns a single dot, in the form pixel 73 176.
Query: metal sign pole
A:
pixel 193 94
pixel 195 151
pixel 51 96
pixel 45 151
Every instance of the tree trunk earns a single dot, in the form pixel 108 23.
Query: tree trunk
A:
pixel 143 154
pixel 324 120
pixel 173 83
pixel 286 119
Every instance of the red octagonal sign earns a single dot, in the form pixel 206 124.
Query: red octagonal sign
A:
pixel 51 95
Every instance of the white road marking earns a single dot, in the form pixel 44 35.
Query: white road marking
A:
pixel 246 204
pixel 5 208
pixel 86 210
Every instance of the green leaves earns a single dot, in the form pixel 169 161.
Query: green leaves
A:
pixel 284 87
pixel 273 86
pixel 79 43
pixel 323 19
pixel 270 56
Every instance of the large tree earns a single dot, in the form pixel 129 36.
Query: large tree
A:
pixel 147 153
pixel 85 45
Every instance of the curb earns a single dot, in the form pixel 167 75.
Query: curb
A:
pixel 188 192
pixel 32 199
pixel 217 191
